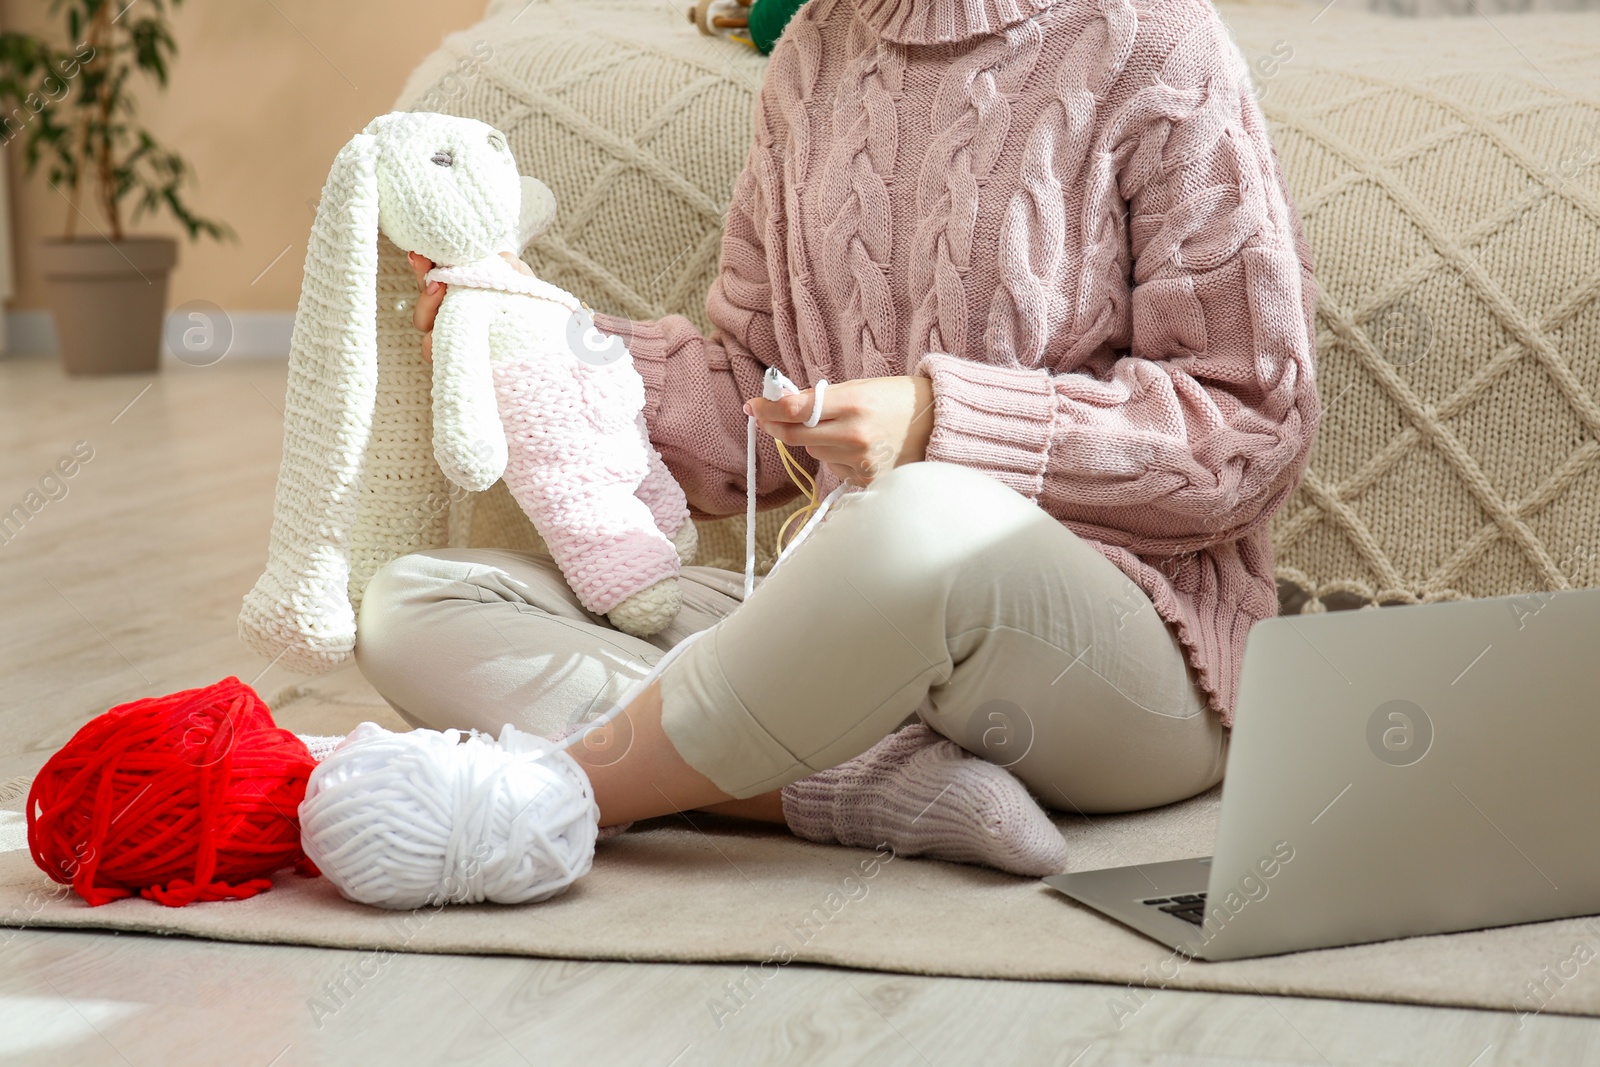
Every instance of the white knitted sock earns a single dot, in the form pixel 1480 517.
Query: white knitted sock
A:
pixel 924 795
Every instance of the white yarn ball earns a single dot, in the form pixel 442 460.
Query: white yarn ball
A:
pixel 425 818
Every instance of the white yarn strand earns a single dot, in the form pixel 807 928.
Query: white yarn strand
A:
pixel 750 508
pixel 816 402
pixel 633 692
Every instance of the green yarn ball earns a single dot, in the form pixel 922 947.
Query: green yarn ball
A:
pixel 767 20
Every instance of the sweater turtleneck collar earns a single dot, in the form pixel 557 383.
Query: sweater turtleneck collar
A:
pixel 936 21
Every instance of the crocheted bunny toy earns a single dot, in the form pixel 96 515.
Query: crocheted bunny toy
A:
pixel 523 387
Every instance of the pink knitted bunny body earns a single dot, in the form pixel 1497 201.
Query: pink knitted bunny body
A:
pixel 578 459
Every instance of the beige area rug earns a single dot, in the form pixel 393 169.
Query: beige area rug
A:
pixel 724 891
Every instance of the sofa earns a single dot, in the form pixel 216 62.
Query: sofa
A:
pixel 1447 171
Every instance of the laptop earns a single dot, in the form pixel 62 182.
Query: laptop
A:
pixel 1417 769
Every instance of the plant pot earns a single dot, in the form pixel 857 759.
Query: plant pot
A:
pixel 109 299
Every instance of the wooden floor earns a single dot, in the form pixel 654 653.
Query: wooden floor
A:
pixel 129 583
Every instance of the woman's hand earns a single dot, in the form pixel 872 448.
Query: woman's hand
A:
pixel 868 426
pixel 432 295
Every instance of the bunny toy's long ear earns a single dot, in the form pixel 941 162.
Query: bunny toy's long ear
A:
pixel 299 612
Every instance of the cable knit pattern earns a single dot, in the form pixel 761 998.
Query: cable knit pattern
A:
pixel 855 201
pixel 1069 216
pixel 972 121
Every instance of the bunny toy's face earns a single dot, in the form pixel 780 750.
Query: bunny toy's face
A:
pixel 447 186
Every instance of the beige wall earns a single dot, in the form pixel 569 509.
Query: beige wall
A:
pixel 259 103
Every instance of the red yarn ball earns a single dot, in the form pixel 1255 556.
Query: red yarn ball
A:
pixel 186 797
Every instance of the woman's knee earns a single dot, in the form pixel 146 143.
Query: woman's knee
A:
pixel 915 492
pixel 1139 761
pixel 404 583
pixel 392 607
pixel 401 578
pixel 936 518
pixel 410 615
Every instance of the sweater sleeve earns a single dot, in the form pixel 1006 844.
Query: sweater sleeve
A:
pixel 1195 432
pixel 696 385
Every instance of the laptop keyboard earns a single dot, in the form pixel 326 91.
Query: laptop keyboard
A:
pixel 1191 907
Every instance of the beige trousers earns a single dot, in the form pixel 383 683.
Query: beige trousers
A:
pixel 935 592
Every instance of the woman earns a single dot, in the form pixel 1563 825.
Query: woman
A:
pixel 1045 253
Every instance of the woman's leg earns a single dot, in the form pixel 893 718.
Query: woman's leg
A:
pixel 476 638
pixel 939 583
pixel 1073 682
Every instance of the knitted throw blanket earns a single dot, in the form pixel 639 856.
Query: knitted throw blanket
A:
pixel 1449 179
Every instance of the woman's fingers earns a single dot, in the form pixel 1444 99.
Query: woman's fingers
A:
pixel 429 298
pixel 866 426
pixel 853 459
pixel 842 472
pixel 420 265
pixel 427 306
pixel 794 408
pixel 845 435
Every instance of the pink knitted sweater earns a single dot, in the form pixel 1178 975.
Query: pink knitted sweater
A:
pixel 1069 216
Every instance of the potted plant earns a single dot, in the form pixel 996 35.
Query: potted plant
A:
pixel 72 106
